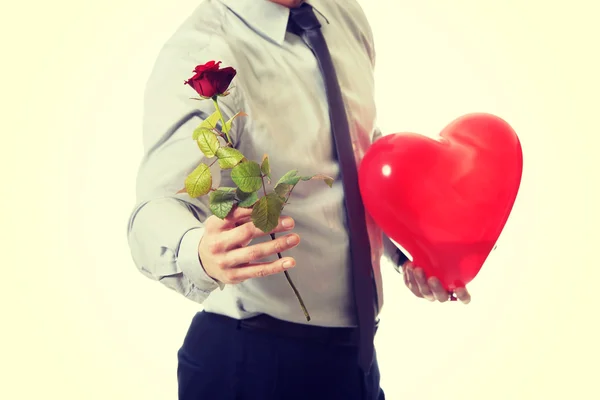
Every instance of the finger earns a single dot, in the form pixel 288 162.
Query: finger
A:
pixel 242 235
pixel 423 285
pixel 243 221
pixel 258 270
pixel 260 251
pixel 410 281
pixel 234 216
pixel 438 290
pixel 405 275
pixel 463 295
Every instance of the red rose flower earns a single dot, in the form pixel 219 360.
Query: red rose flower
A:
pixel 210 80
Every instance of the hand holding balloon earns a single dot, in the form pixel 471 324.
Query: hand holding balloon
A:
pixel 444 200
pixel 431 288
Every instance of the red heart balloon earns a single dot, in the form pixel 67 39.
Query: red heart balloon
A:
pixel 445 200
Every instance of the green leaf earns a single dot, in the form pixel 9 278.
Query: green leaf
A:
pixel 247 176
pixel 211 122
pixel 290 178
pixel 265 167
pixel 207 141
pixel 222 201
pixel 199 182
pixel 327 179
pixel 246 200
pixel 228 123
pixel 197 131
pixel 283 189
pixel 266 212
pixel 228 157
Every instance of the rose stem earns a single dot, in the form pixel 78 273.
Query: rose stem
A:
pixel 287 275
pixel 222 119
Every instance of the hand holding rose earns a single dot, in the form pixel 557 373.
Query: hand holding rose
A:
pixel 225 252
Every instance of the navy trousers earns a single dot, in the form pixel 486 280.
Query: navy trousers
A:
pixel 220 360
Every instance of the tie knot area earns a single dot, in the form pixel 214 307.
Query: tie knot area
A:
pixel 303 18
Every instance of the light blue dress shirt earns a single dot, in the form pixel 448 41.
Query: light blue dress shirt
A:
pixel 280 87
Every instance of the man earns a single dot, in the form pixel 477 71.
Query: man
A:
pixel 252 340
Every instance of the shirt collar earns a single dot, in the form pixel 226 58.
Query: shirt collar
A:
pixel 264 16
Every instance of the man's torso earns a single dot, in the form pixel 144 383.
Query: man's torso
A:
pixel 279 86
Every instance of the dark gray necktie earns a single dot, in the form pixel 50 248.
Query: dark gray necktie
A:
pixel 304 23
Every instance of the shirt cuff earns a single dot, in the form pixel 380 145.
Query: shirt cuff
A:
pixel 396 255
pixel 399 261
pixel 188 260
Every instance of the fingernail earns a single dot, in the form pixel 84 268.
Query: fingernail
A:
pixel 287 222
pixel 288 264
pixel 293 239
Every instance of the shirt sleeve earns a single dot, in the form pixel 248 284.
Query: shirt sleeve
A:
pixel 165 228
pixel 390 251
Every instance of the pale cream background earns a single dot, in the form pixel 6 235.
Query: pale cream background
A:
pixel 78 320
